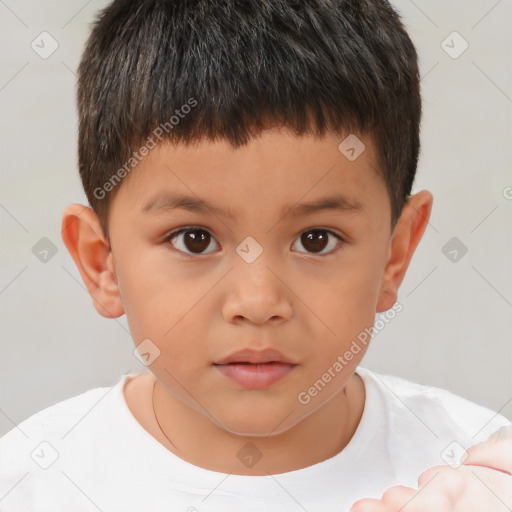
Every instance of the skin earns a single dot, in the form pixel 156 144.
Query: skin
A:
pixel 482 482
pixel 202 307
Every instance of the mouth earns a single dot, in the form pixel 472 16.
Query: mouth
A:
pixel 255 375
pixel 250 356
pixel 254 364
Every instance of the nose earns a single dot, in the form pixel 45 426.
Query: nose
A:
pixel 257 293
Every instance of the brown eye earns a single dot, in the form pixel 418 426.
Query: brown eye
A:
pixel 195 240
pixel 316 240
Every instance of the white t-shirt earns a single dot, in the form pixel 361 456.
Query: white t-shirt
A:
pixel 88 453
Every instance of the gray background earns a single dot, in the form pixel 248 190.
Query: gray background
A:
pixel 455 329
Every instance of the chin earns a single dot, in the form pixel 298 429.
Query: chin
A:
pixel 255 421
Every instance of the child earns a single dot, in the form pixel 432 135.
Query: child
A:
pixel 282 139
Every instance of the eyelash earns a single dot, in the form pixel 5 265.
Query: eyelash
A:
pixel 178 232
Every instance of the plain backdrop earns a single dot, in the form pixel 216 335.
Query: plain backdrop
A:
pixel 455 328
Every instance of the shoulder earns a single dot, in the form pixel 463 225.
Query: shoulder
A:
pixel 439 410
pixel 39 441
pixel 58 415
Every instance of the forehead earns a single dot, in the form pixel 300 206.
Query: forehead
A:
pixel 293 174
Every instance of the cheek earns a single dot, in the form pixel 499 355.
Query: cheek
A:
pixel 166 306
pixel 346 298
pixel 154 294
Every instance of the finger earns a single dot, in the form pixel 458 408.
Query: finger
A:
pixel 467 489
pixel 435 472
pixel 495 452
pixel 397 496
pixel 369 505
pixel 393 499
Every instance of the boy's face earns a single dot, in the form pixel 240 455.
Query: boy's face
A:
pixel 200 299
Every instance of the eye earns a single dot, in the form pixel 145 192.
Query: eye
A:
pixel 195 240
pixel 315 240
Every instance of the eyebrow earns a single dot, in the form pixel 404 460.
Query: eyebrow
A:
pixel 166 201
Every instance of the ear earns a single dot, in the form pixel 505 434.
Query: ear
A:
pixel 83 236
pixel 406 236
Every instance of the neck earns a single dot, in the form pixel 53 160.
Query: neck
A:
pixel 199 440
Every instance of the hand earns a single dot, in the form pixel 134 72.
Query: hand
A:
pixel 483 483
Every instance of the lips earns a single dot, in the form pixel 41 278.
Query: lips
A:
pixel 255 376
pixel 255 357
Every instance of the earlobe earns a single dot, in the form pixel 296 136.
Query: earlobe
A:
pixel 82 234
pixel 406 236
